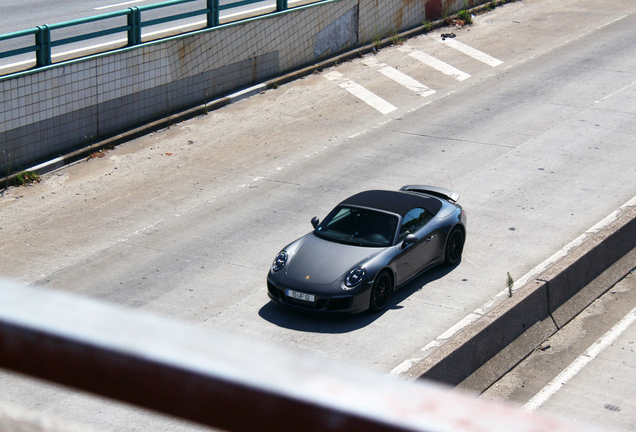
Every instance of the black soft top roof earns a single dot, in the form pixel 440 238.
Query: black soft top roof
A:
pixel 394 201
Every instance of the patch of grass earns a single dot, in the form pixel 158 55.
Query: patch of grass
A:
pixel 25 178
pixel 376 41
pixel 428 26
pixel 465 16
pixel 396 39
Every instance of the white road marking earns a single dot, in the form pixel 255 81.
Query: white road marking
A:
pixel 118 4
pixel 406 81
pixel 399 77
pixel 361 93
pixel 613 93
pixel 472 52
pixel 519 283
pixel 577 365
pixel 334 76
pixel 437 64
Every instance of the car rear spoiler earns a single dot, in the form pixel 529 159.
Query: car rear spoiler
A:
pixel 432 190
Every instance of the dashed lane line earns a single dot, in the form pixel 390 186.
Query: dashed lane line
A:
pixel 361 93
pixel 472 52
pixel 437 64
pixel 400 78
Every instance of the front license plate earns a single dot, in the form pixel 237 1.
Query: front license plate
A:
pixel 300 296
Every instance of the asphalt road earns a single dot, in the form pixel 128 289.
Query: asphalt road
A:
pixel 185 222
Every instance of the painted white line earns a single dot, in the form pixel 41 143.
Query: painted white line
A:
pixel 468 320
pixel 118 4
pixel 472 52
pixel 399 77
pixel 613 93
pixel 361 93
pixel 248 92
pixel 499 297
pixel 367 97
pixel 406 81
pixel 334 76
pixel 577 365
pixel 437 64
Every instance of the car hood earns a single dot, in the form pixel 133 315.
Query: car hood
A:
pixel 319 261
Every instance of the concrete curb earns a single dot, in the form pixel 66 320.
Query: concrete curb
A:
pixel 477 357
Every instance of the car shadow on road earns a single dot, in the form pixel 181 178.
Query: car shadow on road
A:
pixel 344 323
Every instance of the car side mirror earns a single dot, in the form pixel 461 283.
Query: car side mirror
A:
pixel 315 221
pixel 409 240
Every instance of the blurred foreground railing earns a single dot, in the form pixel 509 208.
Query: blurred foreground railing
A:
pixel 222 380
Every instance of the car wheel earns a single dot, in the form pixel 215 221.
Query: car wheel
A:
pixel 454 247
pixel 381 291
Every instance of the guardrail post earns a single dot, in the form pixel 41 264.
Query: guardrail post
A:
pixel 213 13
pixel 134 26
pixel 43 43
pixel 281 5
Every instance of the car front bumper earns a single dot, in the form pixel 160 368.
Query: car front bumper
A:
pixel 347 302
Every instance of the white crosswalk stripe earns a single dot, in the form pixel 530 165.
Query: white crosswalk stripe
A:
pixel 408 81
pixel 400 78
pixel 472 52
pixel 361 93
pixel 437 64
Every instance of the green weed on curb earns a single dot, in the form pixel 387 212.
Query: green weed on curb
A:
pixel 25 178
pixel 510 283
pixel 465 16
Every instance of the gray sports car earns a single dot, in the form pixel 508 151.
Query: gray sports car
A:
pixel 369 245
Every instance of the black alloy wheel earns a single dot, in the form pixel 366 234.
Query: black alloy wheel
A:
pixel 381 291
pixel 454 247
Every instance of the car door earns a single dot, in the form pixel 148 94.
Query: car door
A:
pixel 416 256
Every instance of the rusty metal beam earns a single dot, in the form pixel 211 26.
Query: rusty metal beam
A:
pixel 223 380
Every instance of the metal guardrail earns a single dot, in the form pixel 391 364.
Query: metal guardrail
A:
pixel 134 24
pixel 225 381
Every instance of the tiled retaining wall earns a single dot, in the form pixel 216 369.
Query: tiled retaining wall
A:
pixel 51 111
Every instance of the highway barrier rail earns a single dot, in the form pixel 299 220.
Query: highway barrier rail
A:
pixel 132 24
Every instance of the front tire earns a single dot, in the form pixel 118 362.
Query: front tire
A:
pixel 381 291
pixel 454 247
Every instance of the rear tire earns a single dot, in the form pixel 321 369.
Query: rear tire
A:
pixel 381 291
pixel 454 247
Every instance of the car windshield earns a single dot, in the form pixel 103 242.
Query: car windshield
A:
pixel 359 226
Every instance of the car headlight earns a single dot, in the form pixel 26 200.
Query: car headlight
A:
pixel 355 276
pixel 279 261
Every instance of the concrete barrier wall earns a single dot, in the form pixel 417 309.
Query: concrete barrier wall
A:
pixel 48 112
pixel 477 357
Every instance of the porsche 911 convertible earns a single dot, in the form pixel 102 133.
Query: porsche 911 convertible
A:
pixel 369 245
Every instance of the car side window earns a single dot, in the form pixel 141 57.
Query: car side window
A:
pixel 413 221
